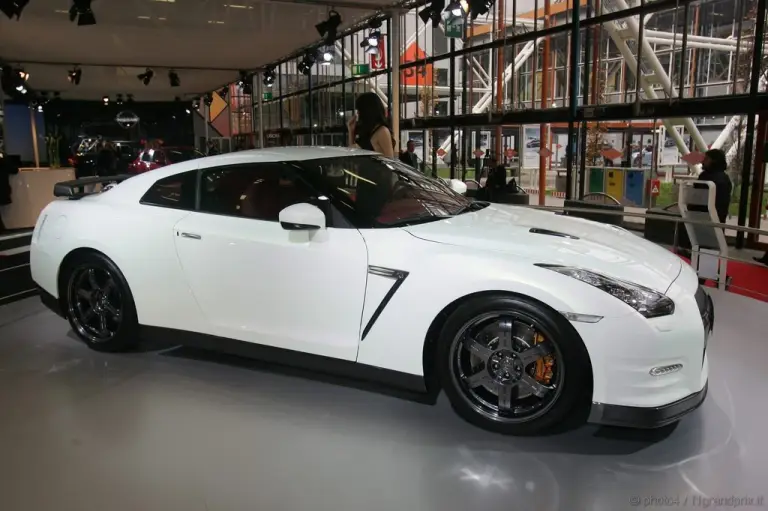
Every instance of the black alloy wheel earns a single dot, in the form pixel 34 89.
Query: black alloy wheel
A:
pixel 100 307
pixel 509 370
pixel 503 364
pixel 95 304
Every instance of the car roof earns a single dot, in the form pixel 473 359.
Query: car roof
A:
pixel 134 188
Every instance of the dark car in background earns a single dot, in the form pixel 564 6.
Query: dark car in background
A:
pixel 86 150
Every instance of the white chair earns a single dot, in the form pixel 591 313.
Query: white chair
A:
pixel 709 250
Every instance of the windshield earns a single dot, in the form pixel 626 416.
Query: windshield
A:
pixel 179 155
pixel 373 191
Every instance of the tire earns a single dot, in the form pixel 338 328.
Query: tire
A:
pixel 511 365
pixel 99 304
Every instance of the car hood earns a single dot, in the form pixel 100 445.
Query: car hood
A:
pixel 544 237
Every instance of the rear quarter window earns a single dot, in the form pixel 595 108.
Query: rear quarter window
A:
pixel 177 192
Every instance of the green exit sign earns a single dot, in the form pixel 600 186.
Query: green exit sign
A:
pixel 454 28
pixel 360 69
pixel 267 96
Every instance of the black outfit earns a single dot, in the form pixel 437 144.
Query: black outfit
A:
pixel 496 185
pixel 409 158
pixel 106 163
pixel 6 170
pixel 723 188
pixel 363 137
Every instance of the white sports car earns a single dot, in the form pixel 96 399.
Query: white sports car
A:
pixel 342 261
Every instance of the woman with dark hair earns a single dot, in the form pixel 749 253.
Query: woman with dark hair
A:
pixel 369 129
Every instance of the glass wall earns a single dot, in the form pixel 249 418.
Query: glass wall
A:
pixel 636 89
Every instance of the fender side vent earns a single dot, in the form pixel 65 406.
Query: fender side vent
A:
pixel 547 232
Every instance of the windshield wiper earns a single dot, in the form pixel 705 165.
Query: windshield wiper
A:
pixel 414 221
pixel 472 206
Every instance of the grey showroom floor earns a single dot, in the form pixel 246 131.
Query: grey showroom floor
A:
pixel 169 430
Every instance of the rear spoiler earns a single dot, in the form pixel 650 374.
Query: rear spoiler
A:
pixel 75 189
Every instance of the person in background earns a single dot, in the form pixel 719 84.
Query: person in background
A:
pixel 409 156
pixel 7 169
pixel 369 129
pixel 714 166
pixel 106 160
pixel 211 150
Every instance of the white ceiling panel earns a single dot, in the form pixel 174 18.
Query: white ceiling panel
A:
pixel 215 38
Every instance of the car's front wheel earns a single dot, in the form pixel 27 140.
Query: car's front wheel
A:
pixel 100 306
pixel 511 365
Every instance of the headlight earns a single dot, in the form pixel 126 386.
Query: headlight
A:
pixel 646 301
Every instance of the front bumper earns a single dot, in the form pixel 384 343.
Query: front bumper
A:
pixel 646 418
pixel 649 373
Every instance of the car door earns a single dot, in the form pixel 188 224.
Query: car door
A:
pixel 260 283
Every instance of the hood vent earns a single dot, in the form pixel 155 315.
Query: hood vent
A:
pixel 547 232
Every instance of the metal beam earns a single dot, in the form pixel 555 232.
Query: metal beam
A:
pixel 339 4
pixel 142 65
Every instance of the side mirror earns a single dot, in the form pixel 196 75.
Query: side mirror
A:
pixel 458 186
pixel 302 217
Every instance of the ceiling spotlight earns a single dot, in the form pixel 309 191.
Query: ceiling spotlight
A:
pixel 173 77
pixel 40 108
pixel 245 83
pixel 457 9
pixel 188 111
pixel 479 7
pixel 243 78
pixel 21 89
pixel 328 28
pixel 196 104
pixel 208 99
pixel 223 92
pixel 306 63
pixel 433 12
pixel 23 74
pixel 146 76
pixel 13 8
pixel 119 99
pixel 269 77
pixel 327 57
pixel 370 44
pixel 74 76
pixel 81 11
pixel 105 100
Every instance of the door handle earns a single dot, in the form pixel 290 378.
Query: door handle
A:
pixel 191 236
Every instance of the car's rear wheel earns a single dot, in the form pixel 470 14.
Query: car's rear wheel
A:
pixel 511 365
pixel 100 306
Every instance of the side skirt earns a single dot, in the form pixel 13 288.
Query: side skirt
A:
pixel 317 364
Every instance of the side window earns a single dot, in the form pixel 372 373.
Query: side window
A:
pixel 146 156
pixel 177 191
pixel 258 191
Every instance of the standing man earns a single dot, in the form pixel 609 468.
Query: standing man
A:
pixel 409 155
pixel 714 166
pixel 7 169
